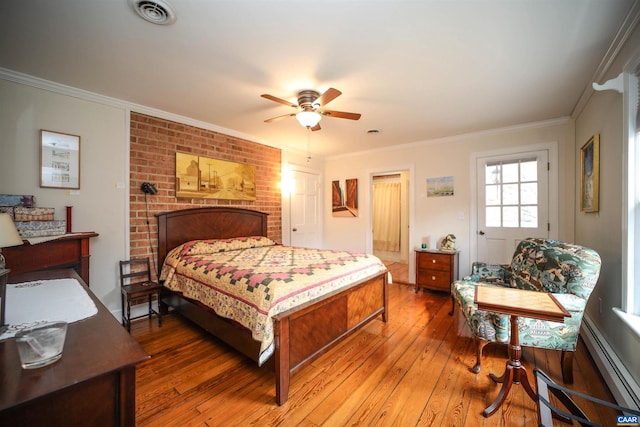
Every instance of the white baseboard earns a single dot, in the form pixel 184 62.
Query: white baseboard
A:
pixel 624 388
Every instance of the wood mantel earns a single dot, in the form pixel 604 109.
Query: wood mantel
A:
pixel 69 250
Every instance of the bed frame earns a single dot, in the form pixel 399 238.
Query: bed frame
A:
pixel 302 334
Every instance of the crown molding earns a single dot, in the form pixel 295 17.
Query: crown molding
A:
pixel 457 138
pixel 61 89
pixel 624 33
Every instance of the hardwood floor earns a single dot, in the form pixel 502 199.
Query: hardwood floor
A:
pixel 413 370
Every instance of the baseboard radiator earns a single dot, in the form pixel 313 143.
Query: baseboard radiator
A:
pixel 624 388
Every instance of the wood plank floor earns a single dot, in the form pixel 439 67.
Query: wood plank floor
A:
pixel 413 370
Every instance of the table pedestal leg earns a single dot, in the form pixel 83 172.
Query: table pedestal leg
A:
pixel 514 372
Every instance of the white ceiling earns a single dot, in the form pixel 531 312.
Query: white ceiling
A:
pixel 416 70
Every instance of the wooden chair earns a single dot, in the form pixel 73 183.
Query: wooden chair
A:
pixel 569 411
pixel 135 282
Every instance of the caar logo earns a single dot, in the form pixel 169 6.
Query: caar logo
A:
pixel 627 420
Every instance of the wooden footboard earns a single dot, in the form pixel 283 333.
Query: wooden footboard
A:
pixel 301 334
pixel 307 332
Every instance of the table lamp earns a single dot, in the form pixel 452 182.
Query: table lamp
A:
pixel 8 236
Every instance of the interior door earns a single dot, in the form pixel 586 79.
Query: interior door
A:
pixel 513 203
pixel 305 210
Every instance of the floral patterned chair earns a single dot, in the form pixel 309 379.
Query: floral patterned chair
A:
pixel 567 270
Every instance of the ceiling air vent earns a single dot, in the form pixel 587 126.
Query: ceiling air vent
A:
pixel 154 11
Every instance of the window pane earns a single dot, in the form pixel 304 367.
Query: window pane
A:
pixel 529 193
pixel 510 194
pixel 492 195
pixel 510 216
pixel 492 174
pixel 529 217
pixel 510 172
pixel 529 171
pixel 492 217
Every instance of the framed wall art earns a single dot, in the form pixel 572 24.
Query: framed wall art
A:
pixel 59 160
pixel 440 186
pixel 344 198
pixel 590 175
pixel 207 178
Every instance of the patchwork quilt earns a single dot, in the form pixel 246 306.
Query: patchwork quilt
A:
pixel 251 279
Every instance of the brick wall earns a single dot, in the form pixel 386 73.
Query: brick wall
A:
pixel 154 143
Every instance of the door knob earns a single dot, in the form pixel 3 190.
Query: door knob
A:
pixel 481 233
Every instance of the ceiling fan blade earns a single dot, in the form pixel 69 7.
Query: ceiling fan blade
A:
pixel 278 100
pixel 328 96
pixel 341 114
pixel 273 119
pixel 316 127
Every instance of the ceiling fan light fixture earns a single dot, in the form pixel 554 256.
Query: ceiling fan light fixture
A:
pixel 308 119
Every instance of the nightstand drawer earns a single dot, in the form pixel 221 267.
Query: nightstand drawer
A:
pixel 433 261
pixel 436 270
pixel 435 279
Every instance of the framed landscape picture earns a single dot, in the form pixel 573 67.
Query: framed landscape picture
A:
pixel 207 178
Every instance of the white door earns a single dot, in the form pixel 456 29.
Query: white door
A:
pixel 513 203
pixel 305 210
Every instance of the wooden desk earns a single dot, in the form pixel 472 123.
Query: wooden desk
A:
pixel 70 250
pixel 92 384
pixel 516 302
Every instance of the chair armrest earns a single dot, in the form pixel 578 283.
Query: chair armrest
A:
pixel 489 273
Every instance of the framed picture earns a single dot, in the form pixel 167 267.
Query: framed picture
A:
pixel 344 198
pixel 440 187
pixel 59 160
pixel 590 175
pixel 207 178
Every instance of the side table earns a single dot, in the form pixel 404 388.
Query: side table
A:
pixel 515 303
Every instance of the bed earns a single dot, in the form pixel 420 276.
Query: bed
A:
pixel 298 331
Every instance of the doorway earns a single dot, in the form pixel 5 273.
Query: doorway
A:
pixel 304 211
pixel 516 198
pixel 390 216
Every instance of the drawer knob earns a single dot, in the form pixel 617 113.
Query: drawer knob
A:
pixel 433 277
pixel 433 261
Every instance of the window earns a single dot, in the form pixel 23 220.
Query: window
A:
pixel 511 194
pixel 630 312
pixel 633 195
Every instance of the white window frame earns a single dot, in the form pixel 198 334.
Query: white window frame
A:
pixel 630 311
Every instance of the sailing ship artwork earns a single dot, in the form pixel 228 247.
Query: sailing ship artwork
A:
pixel 344 198
pixel 207 178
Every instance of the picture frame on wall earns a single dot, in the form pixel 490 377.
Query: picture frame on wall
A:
pixel 208 178
pixel 590 175
pixel 344 198
pixel 59 160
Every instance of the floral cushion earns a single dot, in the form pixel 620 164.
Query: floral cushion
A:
pixel 567 270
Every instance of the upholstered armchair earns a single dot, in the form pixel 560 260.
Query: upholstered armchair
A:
pixel 569 271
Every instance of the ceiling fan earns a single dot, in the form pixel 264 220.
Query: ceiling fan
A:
pixel 311 108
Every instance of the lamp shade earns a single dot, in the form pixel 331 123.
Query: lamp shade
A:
pixel 308 119
pixel 8 233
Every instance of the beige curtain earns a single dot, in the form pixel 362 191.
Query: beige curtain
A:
pixel 386 216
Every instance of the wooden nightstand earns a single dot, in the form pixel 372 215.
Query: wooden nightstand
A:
pixel 436 270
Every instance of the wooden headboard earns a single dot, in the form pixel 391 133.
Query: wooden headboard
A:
pixel 178 227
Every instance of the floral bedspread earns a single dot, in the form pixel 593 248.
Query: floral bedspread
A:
pixel 251 279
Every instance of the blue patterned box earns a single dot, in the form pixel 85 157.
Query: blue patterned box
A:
pixel 41 228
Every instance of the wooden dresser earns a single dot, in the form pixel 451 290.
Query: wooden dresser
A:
pixel 436 270
pixel 69 250
pixel 93 384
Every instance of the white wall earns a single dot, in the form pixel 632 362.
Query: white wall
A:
pixel 100 206
pixel 603 114
pixel 439 216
